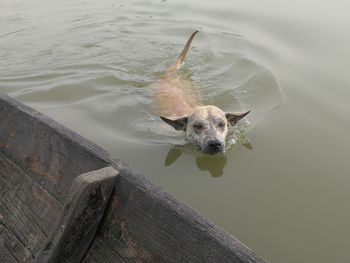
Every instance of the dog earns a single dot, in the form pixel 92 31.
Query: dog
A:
pixel 205 126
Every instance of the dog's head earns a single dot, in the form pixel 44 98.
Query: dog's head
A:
pixel 206 127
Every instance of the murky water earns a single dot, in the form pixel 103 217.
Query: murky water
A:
pixel 284 190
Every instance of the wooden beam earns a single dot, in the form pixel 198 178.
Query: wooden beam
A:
pixel 45 150
pixel 144 224
pixel 40 159
pixel 26 213
pixel 80 217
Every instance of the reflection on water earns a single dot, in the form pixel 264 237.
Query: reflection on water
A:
pixel 213 164
pixel 173 155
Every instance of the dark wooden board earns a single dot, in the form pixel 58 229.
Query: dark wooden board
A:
pixel 145 224
pixel 101 252
pixel 80 217
pixel 26 213
pixel 45 150
pixel 6 254
pixel 39 159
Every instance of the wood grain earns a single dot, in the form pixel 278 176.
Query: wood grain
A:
pixel 40 160
pixel 80 217
pixel 145 224
pixel 26 212
pixel 45 150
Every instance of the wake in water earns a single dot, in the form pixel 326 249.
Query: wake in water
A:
pixel 233 82
pixel 106 81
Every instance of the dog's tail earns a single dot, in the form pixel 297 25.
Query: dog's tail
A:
pixel 180 60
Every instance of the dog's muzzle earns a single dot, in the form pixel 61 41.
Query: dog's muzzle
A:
pixel 213 147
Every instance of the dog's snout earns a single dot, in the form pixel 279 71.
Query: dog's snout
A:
pixel 214 146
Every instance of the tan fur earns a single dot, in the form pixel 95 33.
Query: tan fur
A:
pixel 175 97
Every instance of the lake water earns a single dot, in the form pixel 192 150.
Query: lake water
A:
pixel 284 190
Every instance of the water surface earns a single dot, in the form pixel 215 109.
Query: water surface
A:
pixel 90 65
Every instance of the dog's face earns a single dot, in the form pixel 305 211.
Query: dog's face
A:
pixel 206 127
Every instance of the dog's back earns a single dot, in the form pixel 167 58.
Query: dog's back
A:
pixel 174 95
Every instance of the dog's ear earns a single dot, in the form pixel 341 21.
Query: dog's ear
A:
pixel 233 118
pixel 179 124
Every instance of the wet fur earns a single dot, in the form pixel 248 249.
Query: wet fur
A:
pixel 205 125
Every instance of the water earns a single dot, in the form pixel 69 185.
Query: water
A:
pixel 284 189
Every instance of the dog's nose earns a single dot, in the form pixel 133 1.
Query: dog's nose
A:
pixel 214 146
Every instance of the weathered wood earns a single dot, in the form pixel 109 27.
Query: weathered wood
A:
pixel 6 255
pixel 145 224
pixel 26 213
pixel 80 217
pixel 101 252
pixel 39 159
pixel 45 150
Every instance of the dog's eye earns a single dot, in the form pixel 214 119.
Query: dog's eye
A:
pixel 221 124
pixel 198 126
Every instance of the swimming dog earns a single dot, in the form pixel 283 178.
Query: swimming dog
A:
pixel 205 126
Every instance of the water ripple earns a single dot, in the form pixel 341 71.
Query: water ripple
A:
pixel 102 65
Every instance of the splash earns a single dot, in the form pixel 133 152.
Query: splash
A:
pixel 238 135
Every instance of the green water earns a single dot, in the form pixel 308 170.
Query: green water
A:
pixel 90 65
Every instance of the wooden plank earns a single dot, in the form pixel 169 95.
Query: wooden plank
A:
pixel 16 186
pixel 80 217
pixel 45 150
pixel 145 224
pixel 5 253
pixel 26 213
pixel 101 252
pixel 11 247
pixel 141 223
